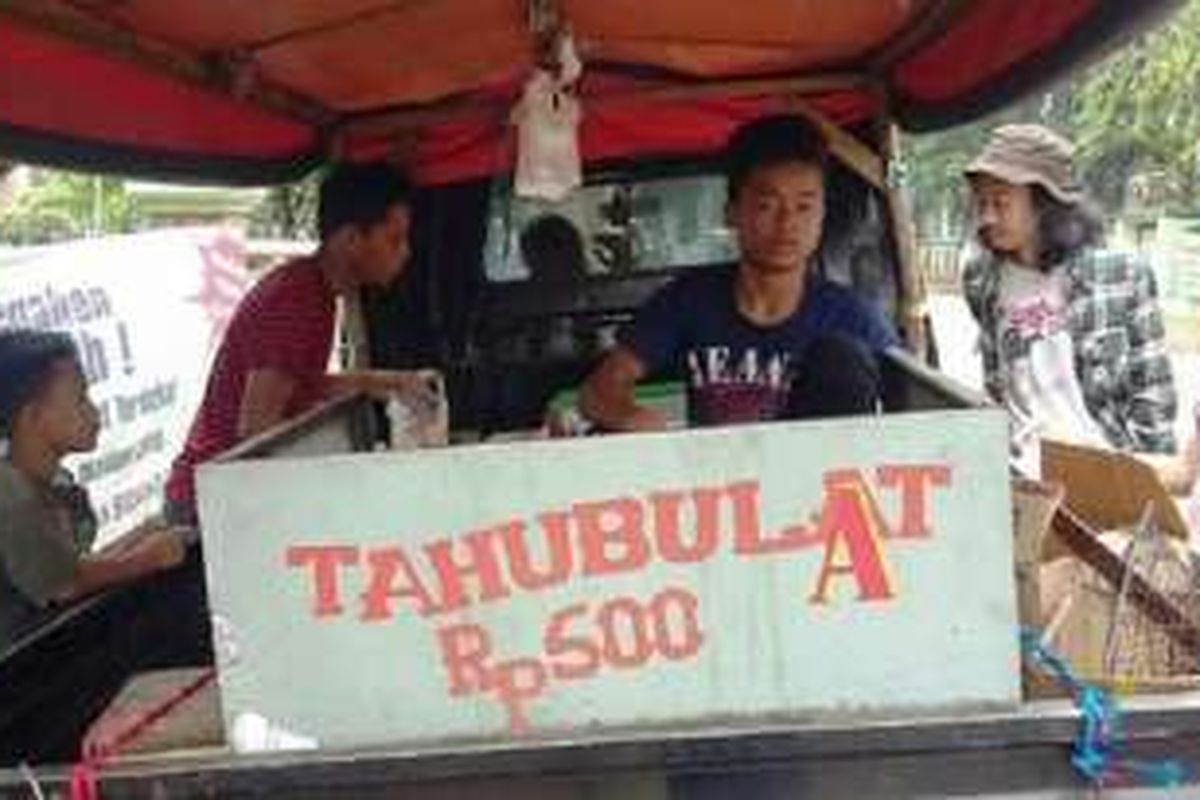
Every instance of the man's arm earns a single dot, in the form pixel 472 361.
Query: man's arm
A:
pixel 45 568
pixel 379 382
pixel 268 392
pixel 1152 399
pixel 608 400
pixel 649 345
pixel 157 550
pixel 265 400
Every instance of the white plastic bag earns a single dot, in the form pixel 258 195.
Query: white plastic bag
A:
pixel 547 120
pixel 419 417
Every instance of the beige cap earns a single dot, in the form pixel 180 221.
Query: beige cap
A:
pixel 1030 155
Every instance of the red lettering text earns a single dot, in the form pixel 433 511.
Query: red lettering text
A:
pixel 556 528
pixel 476 560
pixel 571 657
pixel 518 682
pixel 465 650
pixel 626 638
pixel 383 587
pixel 915 482
pixel 623 634
pixel 851 526
pixel 325 561
pixel 749 538
pixel 615 525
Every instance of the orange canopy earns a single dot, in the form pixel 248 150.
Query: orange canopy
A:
pixel 260 90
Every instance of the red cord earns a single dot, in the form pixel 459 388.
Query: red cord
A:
pixel 85 783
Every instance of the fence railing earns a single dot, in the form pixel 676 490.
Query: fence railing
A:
pixel 940 265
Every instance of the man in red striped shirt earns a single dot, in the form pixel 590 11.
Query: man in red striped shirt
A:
pixel 272 363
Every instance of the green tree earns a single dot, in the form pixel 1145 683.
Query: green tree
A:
pixel 1135 118
pixel 63 205
pixel 288 212
pixel 1139 114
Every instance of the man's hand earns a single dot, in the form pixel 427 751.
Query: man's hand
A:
pixel 608 400
pixel 162 548
pixel 645 420
pixel 1177 472
pixel 382 383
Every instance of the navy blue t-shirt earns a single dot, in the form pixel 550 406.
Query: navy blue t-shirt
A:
pixel 737 371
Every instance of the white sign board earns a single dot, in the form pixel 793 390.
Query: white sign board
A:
pixel 839 568
pixel 146 312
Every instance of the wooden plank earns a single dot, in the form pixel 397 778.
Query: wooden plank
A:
pixel 913 295
pixel 848 148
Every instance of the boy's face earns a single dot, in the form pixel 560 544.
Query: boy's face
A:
pixel 1005 214
pixel 62 414
pixel 380 252
pixel 778 216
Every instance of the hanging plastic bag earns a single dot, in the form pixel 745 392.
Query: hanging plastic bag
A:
pixel 547 119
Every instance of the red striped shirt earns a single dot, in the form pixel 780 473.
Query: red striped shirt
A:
pixel 284 323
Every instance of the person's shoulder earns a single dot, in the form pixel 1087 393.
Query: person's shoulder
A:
pixel 285 296
pixel 299 276
pixel 14 488
pixel 979 268
pixel 18 499
pixel 1104 265
pixel 977 263
pixel 838 296
pixel 696 285
pixel 841 305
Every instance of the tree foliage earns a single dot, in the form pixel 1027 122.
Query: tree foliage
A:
pixel 288 212
pixel 1139 115
pixel 1134 117
pixel 58 206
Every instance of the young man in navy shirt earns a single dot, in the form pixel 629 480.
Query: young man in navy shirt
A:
pixel 764 339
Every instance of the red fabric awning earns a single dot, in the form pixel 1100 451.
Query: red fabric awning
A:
pixel 144 86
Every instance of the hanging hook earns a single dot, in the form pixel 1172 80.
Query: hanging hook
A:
pixel 547 27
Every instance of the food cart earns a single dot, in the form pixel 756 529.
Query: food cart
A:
pixel 824 607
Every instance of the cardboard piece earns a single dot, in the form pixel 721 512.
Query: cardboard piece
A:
pixel 1106 638
pixel 1109 489
pixel 1034 505
pixel 1104 635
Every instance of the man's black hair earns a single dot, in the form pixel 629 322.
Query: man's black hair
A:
pixel 552 248
pixel 1064 229
pixel 769 141
pixel 27 359
pixel 360 195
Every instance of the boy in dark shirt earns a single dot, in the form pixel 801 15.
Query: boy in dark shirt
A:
pixel 764 339
pixel 46 522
